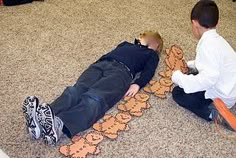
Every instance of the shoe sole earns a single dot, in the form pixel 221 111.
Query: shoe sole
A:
pixel 225 113
pixel 29 108
pixel 46 120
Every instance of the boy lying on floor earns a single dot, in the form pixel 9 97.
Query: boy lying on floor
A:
pixel 98 89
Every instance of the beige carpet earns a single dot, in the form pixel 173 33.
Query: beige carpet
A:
pixel 44 47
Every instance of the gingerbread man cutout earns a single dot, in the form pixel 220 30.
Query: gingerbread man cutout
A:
pixel 167 73
pixel 174 59
pixel 159 88
pixel 112 125
pixel 134 105
pixel 81 147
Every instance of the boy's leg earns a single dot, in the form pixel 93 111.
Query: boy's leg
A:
pixel 68 99
pixel 114 84
pixel 81 116
pixel 194 102
pixel 100 97
pixel 72 95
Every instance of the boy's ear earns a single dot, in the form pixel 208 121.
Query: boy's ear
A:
pixel 195 23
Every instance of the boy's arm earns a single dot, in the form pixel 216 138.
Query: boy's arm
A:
pixel 148 71
pixel 208 67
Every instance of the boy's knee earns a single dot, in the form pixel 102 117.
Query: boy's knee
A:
pixel 71 90
pixel 72 93
pixel 94 106
pixel 91 101
pixel 176 92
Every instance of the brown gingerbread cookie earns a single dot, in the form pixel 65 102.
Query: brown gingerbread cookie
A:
pixel 167 73
pixel 134 105
pixel 112 125
pixel 174 59
pixel 159 88
pixel 81 147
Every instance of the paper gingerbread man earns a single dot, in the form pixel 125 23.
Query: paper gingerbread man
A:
pixel 174 59
pixel 81 147
pixel 166 73
pixel 134 105
pixel 112 125
pixel 159 88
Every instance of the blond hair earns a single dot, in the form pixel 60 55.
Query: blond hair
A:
pixel 150 36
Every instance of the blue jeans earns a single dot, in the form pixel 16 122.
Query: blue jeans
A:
pixel 194 102
pixel 98 89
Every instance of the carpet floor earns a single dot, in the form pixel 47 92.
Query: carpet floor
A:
pixel 44 47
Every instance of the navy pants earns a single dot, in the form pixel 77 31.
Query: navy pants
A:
pixel 98 89
pixel 15 2
pixel 194 102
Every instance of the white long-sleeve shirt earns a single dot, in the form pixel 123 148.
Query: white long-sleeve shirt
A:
pixel 216 62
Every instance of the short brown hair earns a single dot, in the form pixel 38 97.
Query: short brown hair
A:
pixel 206 13
pixel 153 35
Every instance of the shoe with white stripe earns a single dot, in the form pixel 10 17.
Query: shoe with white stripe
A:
pixel 51 125
pixel 29 108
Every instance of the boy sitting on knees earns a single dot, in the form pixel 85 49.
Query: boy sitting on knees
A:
pixel 216 64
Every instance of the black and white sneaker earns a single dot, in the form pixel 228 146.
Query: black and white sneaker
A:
pixel 51 125
pixel 29 108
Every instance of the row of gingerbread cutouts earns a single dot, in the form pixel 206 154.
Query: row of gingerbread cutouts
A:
pixel 110 125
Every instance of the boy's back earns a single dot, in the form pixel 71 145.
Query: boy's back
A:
pixel 216 65
pixel 216 57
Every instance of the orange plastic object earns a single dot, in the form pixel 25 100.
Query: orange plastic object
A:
pixel 225 113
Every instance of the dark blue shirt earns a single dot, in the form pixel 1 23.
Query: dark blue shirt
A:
pixel 137 58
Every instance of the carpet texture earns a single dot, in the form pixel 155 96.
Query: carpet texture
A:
pixel 44 47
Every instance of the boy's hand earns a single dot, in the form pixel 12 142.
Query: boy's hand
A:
pixel 176 75
pixel 191 64
pixel 133 89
